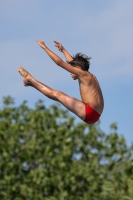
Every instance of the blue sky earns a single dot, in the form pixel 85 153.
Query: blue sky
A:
pixel 100 29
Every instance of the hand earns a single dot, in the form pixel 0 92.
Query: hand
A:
pixel 59 46
pixel 41 43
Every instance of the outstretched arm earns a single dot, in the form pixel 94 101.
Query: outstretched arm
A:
pixel 51 54
pixel 63 50
pixel 58 60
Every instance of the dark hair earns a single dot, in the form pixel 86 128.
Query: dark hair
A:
pixel 81 60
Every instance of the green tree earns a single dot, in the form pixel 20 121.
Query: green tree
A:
pixel 44 154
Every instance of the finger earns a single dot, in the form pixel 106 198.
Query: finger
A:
pixel 56 42
pixel 39 40
pixel 55 45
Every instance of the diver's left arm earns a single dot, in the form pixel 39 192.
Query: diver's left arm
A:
pixel 51 54
pixel 58 60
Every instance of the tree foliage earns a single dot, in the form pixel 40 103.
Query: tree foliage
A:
pixel 44 154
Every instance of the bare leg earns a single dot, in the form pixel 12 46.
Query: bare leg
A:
pixel 72 104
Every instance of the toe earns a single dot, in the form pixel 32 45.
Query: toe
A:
pixel 23 72
pixel 19 69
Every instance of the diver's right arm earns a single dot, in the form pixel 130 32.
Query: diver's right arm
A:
pixel 63 50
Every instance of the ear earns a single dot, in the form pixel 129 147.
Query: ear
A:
pixel 78 67
pixel 74 70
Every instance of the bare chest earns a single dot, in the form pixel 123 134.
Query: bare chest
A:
pixel 91 93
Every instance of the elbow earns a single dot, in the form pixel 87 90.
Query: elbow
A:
pixel 59 62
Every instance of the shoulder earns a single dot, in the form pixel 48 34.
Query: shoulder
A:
pixel 85 77
pixel 86 74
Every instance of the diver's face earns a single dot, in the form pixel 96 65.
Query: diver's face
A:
pixel 74 76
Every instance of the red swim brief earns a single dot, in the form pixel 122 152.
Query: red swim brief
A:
pixel 91 115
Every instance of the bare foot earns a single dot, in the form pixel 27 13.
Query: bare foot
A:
pixel 26 76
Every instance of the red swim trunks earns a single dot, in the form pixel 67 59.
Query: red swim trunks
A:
pixel 91 115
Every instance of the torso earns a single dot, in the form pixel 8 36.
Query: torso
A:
pixel 90 92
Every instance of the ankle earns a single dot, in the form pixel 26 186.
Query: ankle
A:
pixel 31 79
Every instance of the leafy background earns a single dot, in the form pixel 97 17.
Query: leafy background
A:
pixel 44 154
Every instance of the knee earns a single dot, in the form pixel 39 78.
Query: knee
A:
pixel 57 95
